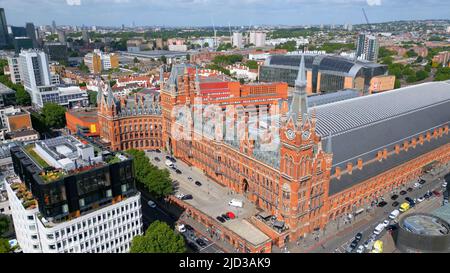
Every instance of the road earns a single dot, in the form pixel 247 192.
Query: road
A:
pixel 366 226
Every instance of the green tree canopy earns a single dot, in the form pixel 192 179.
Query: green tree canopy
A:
pixel 442 74
pixel 159 238
pixel 23 98
pixel 4 224
pixel 252 64
pixel 92 97
pixel 4 246
pixel 157 181
pixel 53 115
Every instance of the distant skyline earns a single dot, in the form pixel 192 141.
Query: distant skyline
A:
pixel 221 12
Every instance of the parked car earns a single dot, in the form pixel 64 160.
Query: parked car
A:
pixel 181 228
pixel 193 246
pixel 220 219
pixel 416 185
pixel 158 151
pixel 403 192
pixel 360 249
pixel 444 184
pixel 386 223
pixel 151 204
pixel 200 242
pixel 188 227
pixel 179 196
pixel 157 159
pixel 437 193
pixel 224 216
pixel 187 197
pixel 168 157
pixel 409 189
pixel 178 171
pixel 409 200
pixel 190 178
pixel 231 215
pixel 358 236
pixel 198 183
pixel 382 204
pixel 354 244
pixel 421 182
pixel 394 197
pixel 420 199
pixel 395 204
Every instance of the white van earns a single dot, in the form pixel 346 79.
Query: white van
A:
pixel 236 203
pixel 394 214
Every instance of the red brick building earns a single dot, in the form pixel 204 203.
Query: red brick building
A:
pixel 327 160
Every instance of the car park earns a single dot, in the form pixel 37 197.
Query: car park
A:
pixel 394 197
pixel 198 183
pixel 395 204
pixel 382 204
pixel 403 192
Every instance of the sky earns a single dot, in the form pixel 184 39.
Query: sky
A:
pixel 218 12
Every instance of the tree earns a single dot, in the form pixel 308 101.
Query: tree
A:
pixel 53 115
pixel 22 97
pixel 4 246
pixel 421 75
pixel 4 224
pixel 136 60
pixel 206 44
pixel 83 67
pixel 92 97
pixel 159 238
pixel 252 64
pixel 156 181
pixel 442 74
pixel 397 84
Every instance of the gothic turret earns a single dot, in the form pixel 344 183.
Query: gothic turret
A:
pixel 299 105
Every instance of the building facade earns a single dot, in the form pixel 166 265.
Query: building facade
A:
pixel 98 61
pixel 330 157
pixel 67 197
pixel 367 47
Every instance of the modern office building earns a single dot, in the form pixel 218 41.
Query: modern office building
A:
pixel 4 37
pixel 326 73
pixel 257 38
pixel 57 52
pixel 62 36
pixel 22 43
pixel 367 47
pixel 71 197
pixel 7 96
pixel 237 40
pixel 31 33
pixel 42 85
pixel 13 63
pixel 18 32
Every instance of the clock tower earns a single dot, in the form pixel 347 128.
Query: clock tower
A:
pixel 304 166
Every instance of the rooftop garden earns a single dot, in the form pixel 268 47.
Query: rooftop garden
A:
pixel 31 152
pixel 52 175
pixel 24 195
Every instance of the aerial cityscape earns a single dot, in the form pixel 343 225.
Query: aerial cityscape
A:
pixel 149 126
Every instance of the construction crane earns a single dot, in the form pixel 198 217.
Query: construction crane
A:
pixel 215 34
pixel 367 19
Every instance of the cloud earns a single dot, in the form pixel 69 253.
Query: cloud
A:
pixel 374 2
pixel 73 2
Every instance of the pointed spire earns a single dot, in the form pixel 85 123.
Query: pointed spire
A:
pixel 299 105
pixel 161 76
pixel 301 77
pixel 110 98
pixel 197 77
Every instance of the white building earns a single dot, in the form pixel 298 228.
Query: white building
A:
pixel 181 48
pixel 42 85
pixel 242 72
pixel 367 47
pixel 258 38
pixel 237 40
pixel 13 63
pixel 106 230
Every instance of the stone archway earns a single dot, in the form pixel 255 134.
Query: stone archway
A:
pixel 244 186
